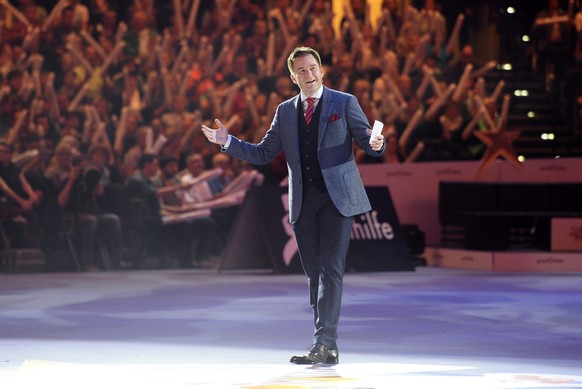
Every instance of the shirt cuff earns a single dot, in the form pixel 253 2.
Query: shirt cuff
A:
pixel 225 146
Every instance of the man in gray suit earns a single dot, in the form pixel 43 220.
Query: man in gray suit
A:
pixel 316 129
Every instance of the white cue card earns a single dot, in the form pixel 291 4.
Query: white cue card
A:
pixel 376 130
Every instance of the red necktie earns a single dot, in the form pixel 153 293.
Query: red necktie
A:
pixel 310 109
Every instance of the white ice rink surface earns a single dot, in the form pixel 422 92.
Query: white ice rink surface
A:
pixel 432 328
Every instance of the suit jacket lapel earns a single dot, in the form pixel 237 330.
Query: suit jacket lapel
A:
pixel 327 104
pixel 290 124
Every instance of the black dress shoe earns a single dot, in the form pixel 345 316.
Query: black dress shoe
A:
pixel 331 359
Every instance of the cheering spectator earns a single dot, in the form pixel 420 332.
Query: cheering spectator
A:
pixel 94 227
pixel 17 197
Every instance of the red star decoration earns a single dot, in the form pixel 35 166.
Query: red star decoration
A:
pixel 499 144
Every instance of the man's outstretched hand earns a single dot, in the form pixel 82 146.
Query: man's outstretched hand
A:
pixel 218 136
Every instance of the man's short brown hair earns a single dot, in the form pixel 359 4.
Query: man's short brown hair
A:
pixel 301 52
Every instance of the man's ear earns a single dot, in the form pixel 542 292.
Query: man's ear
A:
pixel 293 78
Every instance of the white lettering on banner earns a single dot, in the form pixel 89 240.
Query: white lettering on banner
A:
pixel 290 248
pixel 371 229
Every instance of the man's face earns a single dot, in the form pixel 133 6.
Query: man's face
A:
pixel 260 28
pixel 196 166
pixel 170 170
pixel 467 54
pixel 91 55
pixel 138 21
pixel 98 158
pixel 283 86
pixel 151 169
pixel 307 74
pixel 64 157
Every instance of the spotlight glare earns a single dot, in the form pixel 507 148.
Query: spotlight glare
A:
pixel 510 10
pixel 521 158
pixel 525 38
pixel 531 114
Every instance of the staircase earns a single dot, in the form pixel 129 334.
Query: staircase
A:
pixel 545 133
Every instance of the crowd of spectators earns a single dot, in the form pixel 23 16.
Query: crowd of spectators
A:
pixel 102 104
pixel 557 56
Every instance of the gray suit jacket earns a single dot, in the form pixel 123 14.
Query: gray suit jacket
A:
pixel 341 121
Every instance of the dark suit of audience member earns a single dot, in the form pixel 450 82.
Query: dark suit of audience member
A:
pixel 78 200
pixel 111 199
pixel 144 220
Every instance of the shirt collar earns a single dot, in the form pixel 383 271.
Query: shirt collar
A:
pixel 317 94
